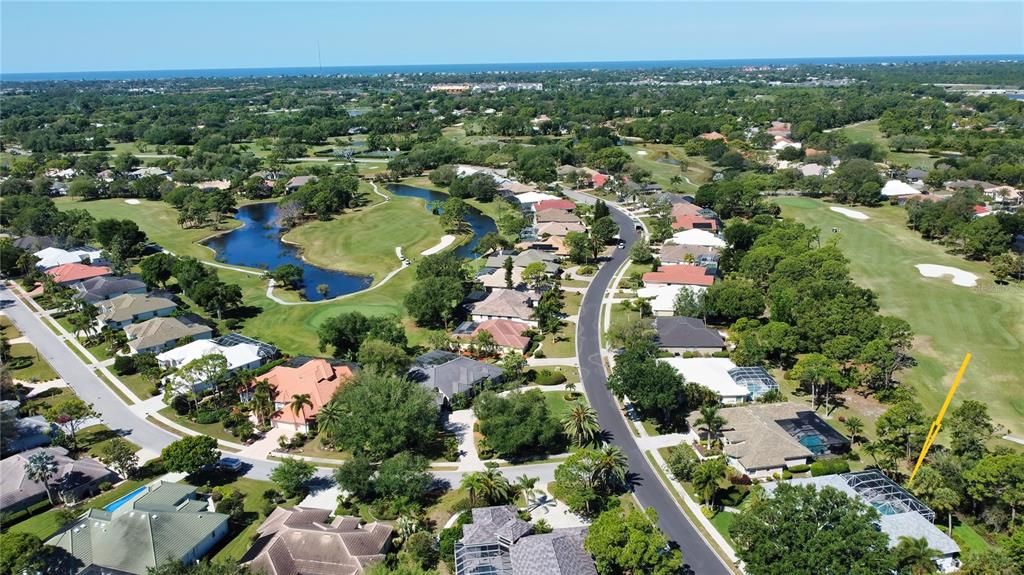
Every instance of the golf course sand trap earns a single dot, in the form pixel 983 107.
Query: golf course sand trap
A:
pixel 133 202
pixel 851 213
pixel 445 242
pixel 642 153
pixel 960 277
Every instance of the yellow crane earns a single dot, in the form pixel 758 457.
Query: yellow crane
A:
pixel 937 424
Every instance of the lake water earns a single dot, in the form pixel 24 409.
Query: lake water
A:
pixel 257 244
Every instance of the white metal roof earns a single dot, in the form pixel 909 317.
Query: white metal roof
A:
pixel 697 237
pixel 711 372
pixel 896 188
pixel 663 297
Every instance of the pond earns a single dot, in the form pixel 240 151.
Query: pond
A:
pixel 257 244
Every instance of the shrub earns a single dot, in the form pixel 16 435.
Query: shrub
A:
pixel 682 461
pixel 799 468
pixel 154 391
pixel 549 377
pixel 451 448
pixel 741 480
pixel 232 323
pixel 829 467
pixel 539 354
pixel 707 511
pixel 105 486
pixel 735 495
pixel 787 474
pixel 586 270
pixel 208 416
pixel 853 456
pixel 124 365
pixel 460 401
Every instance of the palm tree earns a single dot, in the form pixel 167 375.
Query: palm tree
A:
pixel 914 556
pixel 570 389
pixel 263 401
pixel 873 448
pixel 330 419
pixel 580 424
pixel 407 525
pixel 526 485
pixel 610 467
pixel 494 488
pixel 298 405
pixel 472 483
pixel 946 500
pixel 855 426
pixel 710 421
pixel 706 478
pixel 40 468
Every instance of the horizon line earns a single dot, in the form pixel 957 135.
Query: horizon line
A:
pixel 567 63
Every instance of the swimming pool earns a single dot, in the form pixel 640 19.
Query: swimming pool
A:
pixel 815 443
pixel 123 499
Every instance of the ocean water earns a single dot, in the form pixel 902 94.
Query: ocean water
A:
pixel 484 68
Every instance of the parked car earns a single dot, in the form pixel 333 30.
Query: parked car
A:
pixel 231 463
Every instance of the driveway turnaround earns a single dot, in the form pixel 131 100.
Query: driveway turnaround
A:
pixel 649 490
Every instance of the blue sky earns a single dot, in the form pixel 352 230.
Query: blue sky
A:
pixel 41 36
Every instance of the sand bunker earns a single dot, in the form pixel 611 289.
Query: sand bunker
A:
pixel 851 213
pixel 133 202
pixel 641 153
pixel 445 242
pixel 960 277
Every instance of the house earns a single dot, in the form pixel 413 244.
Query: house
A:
pixel 53 256
pixel 300 541
pixel 732 384
pixel 68 274
pixel 528 199
pixel 680 274
pixel 694 222
pixel 238 356
pixel 780 129
pixel 297 182
pixel 22 433
pixel 598 180
pixel 209 185
pixel 318 378
pixel 559 204
pixel 688 254
pixel 760 440
pixel 813 170
pixel 160 333
pixel 146 172
pixel 697 237
pixel 98 289
pixel 499 542
pixel 556 215
pixel 507 334
pixel 899 190
pixel 74 480
pixel 129 308
pixel 781 143
pixel 663 297
pixel 35 243
pixel 449 374
pixel 515 305
pixel 153 524
pixel 494 278
pixel 902 514
pixel 916 175
pixel 678 334
pixel 65 174
pixel 713 136
pixel 559 229
pixel 956 185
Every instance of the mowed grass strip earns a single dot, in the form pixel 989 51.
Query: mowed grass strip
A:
pixel 948 320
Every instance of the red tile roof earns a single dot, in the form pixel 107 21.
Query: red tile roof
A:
pixel 506 333
pixel 691 222
pixel 554 205
pixel 317 377
pixel 682 274
pixel 77 272
pixel 684 209
pixel 712 136
pixel 599 180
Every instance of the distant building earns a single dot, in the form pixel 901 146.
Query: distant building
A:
pixel 129 308
pixel 146 172
pixel 680 274
pixel 96 290
pixel 899 190
pixel 713 136
pixel 678 335
pixel 146 528
pixel 68 274
pixel 448 374
pixel 74 480
pixel 238 356
pixel 318 378
pixel 160 333
pixel 507 304
pixel 507 334
pixel 53 256
pixel 299 541
pixel 297 182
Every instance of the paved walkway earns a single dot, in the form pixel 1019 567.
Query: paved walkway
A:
pixel 37 388
pixel 540 361
pixel 460 423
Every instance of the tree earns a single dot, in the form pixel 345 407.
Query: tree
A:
pixel 630 543
pixel 512 366
pixel 946 500
pixel 291 475
pixel 855 426
pixel 432 301
pixel 22 553
pixel 488 486
pixel 998 479
pixel 203 372
pixel 548 311
pixel 508 272
pixel 263 401
pixel 453 215
pixel 323 290
pixel 384 415
pixel 403 477
pixel 970 428
pixel 289 275
pixel 384 357
pixel 855 181
pixel 526 486
pixel 902 425
pixel 580 424
pixel 1006 266
pixel 984 238
pixel 815 370
pixel 40 468
pixel 71 414
pixel 914 557
pixel 298 404
pixel 517 424
pixel 653 387
pixel 711 421
pixel 579 246
pixel 190 454
pixel 356 477
pixel 707 477
pixel 804 531
pixel 535 274
pixel 641 253
pixel 119 455
pixel 732 299
pixel 689 303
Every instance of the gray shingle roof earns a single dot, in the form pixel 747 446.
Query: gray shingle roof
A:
pixel 560 552
pixel 101 288
pixel 680 331
pixel 16 489
pixel 451 375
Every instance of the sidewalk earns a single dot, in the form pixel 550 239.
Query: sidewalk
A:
pixel 460 423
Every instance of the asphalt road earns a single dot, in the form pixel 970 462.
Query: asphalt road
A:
pixel 697 553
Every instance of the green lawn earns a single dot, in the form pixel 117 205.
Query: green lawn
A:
pixel 870 132
pixel 253 490
pixel 95 437
pixel 561 345
pixel 949 320
pixel 137 384
pixel 8 328
pixel 36 369
pixel 100 351
pixel 364 241
pixel 722 522
pixel 571 373
pixel 215 430
pixel 658 161
pixel 46 524
pixel 571 302
pixel 558 405
pixel 967 537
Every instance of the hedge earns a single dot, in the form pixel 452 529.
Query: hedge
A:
pixel 800 468
pixel 829 467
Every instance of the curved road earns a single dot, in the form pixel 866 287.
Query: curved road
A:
pixel 649 490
